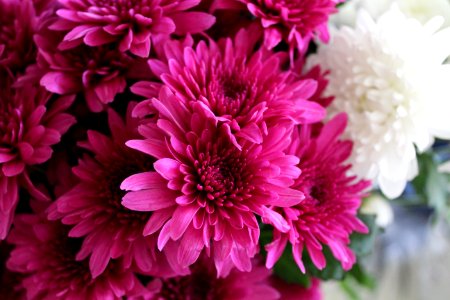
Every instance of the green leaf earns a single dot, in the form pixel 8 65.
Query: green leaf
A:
pixel 362 244
pixel 287 269
pixel 431 185
pixel 362 277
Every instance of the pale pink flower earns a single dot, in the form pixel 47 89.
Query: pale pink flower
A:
pixel 130 23
pixel 247 91
pixel 46 256
pixel 295 22
pixel 206 192
pixel 327 216
pixel 29 125
pixel 204 284
pixel 93 205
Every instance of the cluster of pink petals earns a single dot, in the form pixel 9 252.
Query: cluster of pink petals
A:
pixel 99 73
pixel 295 22
pixel 206 192
pixel 327 216
pixel 246 91
pixel 46 256
pixel 130 23
pixel 29 125
pixel 17 25
pixel 93 206
pixel 203 283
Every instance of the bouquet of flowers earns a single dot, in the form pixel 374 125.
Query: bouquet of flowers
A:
pixel 215 149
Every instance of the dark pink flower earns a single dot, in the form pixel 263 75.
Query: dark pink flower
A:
pixel 291 291
pixel 206 192
pixel 17 25
pixel 46 256
pixel 245 90
pixel 93 206
pixel 30 123
pixel 292 21
pixel 130 23
pixel 98 72
pixel 327 216
pixel 203 284
pixel 10 282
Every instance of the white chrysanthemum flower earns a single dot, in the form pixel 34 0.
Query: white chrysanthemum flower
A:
pixel 389 78
pixel 422 10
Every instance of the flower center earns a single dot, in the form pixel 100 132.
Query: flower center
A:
pixel 316 184
pixel 114 174
pixel 125 9
pixel 198 285
pixel 230 94
pixel 222 176
pixel 96 63
pixel 63 251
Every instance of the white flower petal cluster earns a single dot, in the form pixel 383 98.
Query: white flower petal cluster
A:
pixel 422 10
pixel 388 76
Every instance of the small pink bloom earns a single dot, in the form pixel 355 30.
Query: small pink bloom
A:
pixel 93 205
pixel 247 91
pixel 292 21
pixel 203 284
pixel 327 216
pixel 46 256
pixel 130 23
pixel 29 125
pixel 206 192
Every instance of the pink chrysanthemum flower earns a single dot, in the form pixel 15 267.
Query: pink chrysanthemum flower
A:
pixel 30 123
pixel 98 72
pixel 327 216
pixel 205 191
pixel 93 206
pixel 292 21
pixel 203 284
pixel 244 90
pixel 46 256
pixel 17 24
pixel 130 23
